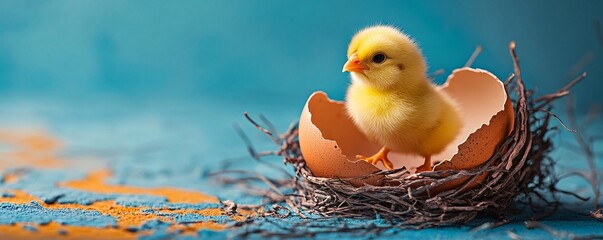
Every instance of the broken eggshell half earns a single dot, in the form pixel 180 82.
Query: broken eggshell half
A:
pixel 330 140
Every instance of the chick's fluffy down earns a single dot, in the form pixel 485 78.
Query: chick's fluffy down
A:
pixel 392 101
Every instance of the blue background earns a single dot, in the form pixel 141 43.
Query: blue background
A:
pixel 255 51
pixel 114 79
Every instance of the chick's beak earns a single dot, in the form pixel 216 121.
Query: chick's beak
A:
pixel 354 65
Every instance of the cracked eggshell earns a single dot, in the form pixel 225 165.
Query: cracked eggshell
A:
pixel 329 140
pixel 479 94
pixel 488 117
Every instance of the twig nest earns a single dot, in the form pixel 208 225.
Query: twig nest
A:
pixel 329 140
pixel 503 149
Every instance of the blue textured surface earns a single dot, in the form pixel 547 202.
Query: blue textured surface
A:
pixel 34 213
pixel 192 218
pixel 150 89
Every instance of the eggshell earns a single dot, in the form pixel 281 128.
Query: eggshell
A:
pixel 484 105
pixel 330 141
pixel 478 94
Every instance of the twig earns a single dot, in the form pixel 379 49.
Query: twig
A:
pixel 474 55
pixel 436 73
pixel 270 126
pixel 598 214
pixel 266 131
pixel 558 119
pixel 563 91
pixel 509 79
pixel 248 143
pixel 254 154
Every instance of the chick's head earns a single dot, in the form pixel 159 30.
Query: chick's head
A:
pixel 384 57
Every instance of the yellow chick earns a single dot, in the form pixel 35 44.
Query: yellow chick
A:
pixel 391 99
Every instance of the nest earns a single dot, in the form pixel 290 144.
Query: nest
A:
pixel 520 170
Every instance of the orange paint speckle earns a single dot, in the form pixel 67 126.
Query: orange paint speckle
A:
pixel 126 217
pixel 34 150
pixel 95 182
pixel 10 178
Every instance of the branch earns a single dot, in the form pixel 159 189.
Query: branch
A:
pixel 563 91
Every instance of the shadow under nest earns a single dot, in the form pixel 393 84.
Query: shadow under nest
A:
pixel 519 171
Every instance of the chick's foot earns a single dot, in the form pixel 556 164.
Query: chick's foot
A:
pixel 426 165
pixel 380 156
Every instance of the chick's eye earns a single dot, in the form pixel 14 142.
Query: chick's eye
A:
pixel 379 58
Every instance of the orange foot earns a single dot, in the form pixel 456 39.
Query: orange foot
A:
pixel 426 165
pixel 380 156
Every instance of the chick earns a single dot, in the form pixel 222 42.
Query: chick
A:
pixel 392 101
